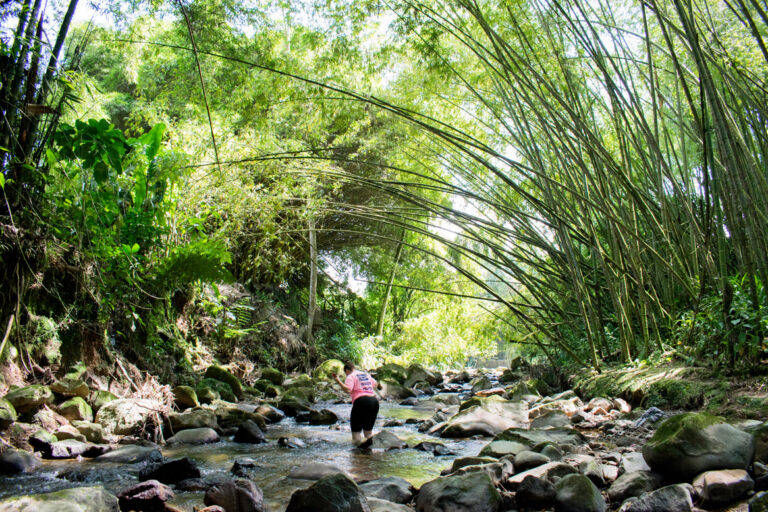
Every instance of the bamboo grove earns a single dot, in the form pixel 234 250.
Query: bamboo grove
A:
pixel 606 183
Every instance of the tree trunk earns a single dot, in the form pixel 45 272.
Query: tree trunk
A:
pixel 312 278
pixel 385 302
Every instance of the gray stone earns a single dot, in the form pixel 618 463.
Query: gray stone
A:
pixel 692 443
pixel 314 471
pixel 633 484
pixel 193 418
pixel 527 459
pixel 535 493
pixel 131 455
pixel 723 486
pixel 249 432
pixel 489 417
pixel 551 419
pixel 392 488
pixel 239 495
pixel 577 493
pixel 673 498
pixel 633 462
pixel 145 496
pixel 170 471
pixel 322 417
pixel 333 493
pixel 550 470
pixel 194 436
pixel 469 492
pixel 13 461
pixel 378 505
pixel 386 440
pixel 500 449
pixel 126 416
pixel 29 398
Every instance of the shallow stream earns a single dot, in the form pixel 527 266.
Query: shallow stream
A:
pixel 330 445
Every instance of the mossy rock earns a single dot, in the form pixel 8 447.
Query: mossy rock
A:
pixel 300 381
pixel 393 372
pixel 518 390
pixel 328 369
pixel 576 492
pixel 481 400
pixel 76 409
pixel 221 374
pixel 7 414
pixel 185 397
pixel 292 405
pixel 29 398
pixel 221 388
pixel 689 444
pixel 272 392
pixel 207 395
pixel 261 385
pixel 93 432
pixel 307 394
pixel 85 499
pixel 76 372
pixel 71 387
pixel 273 375
pixel 100 398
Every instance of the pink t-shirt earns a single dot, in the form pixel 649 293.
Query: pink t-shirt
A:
pixel 360 384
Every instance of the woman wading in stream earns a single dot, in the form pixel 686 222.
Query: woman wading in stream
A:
pixel 365 405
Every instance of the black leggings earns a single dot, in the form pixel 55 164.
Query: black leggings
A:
pixel 364 412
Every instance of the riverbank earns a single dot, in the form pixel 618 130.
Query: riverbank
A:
pixel 463 440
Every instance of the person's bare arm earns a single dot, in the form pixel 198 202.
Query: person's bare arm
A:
pixel 343 386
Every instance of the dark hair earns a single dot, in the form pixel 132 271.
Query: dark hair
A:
pixel 349 366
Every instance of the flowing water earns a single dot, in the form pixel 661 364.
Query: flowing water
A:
pixel 325 444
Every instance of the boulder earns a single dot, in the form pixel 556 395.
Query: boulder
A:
pixel 535 493
pixel 29 398
pixel 93 432
pixel 126 416
pixel 723 486
pixel 170 471
pixel 314 471
pixel 149 496
pixel 632 462
pixel 71 387
pixel 327 369
pixel 468 492
pixel 77 499
pixel 395 391
pixel 550 471
pixel 498 471
pixel 300 381
pixel 462 462
pixel 673 498
pixel 417 373
pixel 480 384
pixel 69 432
pixel 333 493
pixel 378 505
pixel 551 419
pixel 437 449
pixel 274 376
pixel 240 495
pixel 13 461
pixel 7 414
pixel 759 502
pixel 499 449
pixel 221 374
pixel 691 443
pixel 229 415
pixel 633 484
pixel 323 417
pixel 385 440
pixel 76 409
pixel 527 459
pixel 131 454
pixel 185 396
pixel 203 435
pixel 49 419
pixel 193 418
pixel 393 372
pixel 269 413
pixel 391 488
pixel 67 449
pixel 557 436
pixel 291 443
pixel 249 432
pixel 208 388
pixel 292 405
pixel 490 417
pixel 577 493
pixel 99 398
pixel 42 440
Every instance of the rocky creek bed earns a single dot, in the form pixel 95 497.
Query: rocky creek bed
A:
pixel 463 441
